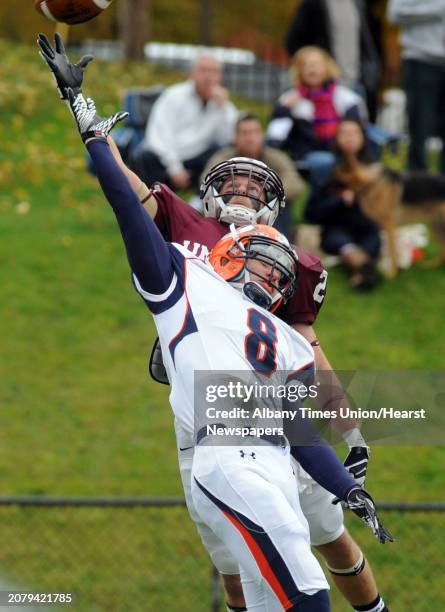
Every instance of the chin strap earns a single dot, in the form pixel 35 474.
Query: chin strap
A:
pixel 241 215
pixel 237 214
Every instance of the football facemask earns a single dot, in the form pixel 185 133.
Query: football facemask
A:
pixel 224 200
pixel 259 261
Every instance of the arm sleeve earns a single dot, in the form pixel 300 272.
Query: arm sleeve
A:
pixel 148 253
pixel 315 456
pixel 325 467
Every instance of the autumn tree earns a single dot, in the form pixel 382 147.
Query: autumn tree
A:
pixel 134 17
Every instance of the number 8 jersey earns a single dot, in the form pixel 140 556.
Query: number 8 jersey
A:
pixel 206 324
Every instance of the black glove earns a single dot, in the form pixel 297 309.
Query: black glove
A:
pixel 65 73
pixel 89 123
pixel 357 463
pixel 362 504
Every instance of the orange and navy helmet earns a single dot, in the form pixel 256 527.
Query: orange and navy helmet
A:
pixel 269 282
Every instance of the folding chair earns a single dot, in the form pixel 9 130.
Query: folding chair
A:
pixel 138 102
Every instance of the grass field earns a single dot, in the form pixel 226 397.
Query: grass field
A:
pixel 79 414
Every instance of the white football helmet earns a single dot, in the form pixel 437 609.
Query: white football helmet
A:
pixel 265 207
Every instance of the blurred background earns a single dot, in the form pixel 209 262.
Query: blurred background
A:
pixel 91 498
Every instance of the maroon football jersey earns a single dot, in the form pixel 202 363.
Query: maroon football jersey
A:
pixel 179 222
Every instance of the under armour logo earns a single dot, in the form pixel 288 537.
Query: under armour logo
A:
pixel 243 454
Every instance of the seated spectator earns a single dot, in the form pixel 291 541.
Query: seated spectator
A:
pixel 346 230
pixel 305 119
pixel 249 143
pixel 188 123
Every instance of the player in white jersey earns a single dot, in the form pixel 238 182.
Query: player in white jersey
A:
pixel 179 223
pixel 224 319
pixel 249 504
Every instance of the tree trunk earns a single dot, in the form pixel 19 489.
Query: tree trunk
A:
pixel 205 22
pixel 134 27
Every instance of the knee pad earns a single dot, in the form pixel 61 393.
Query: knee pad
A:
pixel 355 570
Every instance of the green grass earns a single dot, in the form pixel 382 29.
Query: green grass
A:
pixel 79 414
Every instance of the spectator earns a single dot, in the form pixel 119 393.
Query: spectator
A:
pixel 341 28
pixel 305 119
pixel 188 123
pixel 346 230
pixel 423 72
pixel 249 143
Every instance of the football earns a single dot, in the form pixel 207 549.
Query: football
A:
pixel 71 11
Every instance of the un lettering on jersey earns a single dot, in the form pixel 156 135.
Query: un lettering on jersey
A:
pixel 198 250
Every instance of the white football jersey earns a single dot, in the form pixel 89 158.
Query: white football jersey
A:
pixel 206 324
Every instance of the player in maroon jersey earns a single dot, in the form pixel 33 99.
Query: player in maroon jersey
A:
pixel 180 223
pixel 243 192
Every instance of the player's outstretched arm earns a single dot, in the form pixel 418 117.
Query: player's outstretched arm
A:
pixel 147 200
pixel 65 73
pixel 147 251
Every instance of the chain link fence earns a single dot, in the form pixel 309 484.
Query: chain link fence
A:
pixel 145 555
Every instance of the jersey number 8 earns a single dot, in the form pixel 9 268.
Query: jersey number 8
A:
pixel 260 343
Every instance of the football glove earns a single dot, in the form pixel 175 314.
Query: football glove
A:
pixel 89 123
pixel 361 503
pixel 356 463
pixel 65 73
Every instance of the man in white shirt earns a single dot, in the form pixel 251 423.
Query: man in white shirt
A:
pixel 188 123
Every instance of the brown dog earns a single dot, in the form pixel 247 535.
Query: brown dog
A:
pixel 391 199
